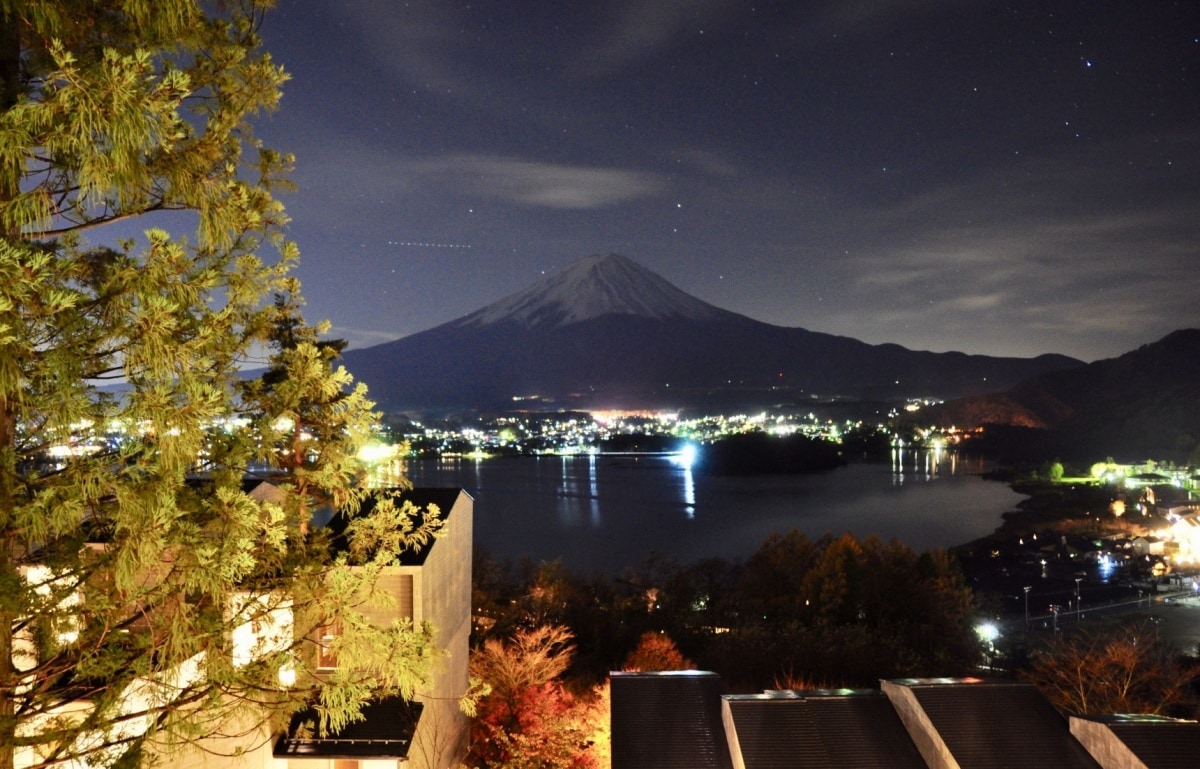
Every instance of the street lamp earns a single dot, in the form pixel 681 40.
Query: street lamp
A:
pixel 988 632
pixel 1027 589
pixel 1078 601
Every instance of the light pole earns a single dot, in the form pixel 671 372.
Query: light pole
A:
pixel 988 632
pixel 1078 600
pixel 1027 589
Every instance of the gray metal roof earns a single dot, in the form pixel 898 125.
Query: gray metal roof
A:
pixel 858 730
pixel 1159 743
pixel 422 498
pixel 987 725
pixel 668 721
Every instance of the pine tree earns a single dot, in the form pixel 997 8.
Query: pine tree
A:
pixel 132 557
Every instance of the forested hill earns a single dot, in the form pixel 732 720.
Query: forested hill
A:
pixel 1143 404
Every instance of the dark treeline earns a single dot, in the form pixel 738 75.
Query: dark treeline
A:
pixel 834 612
pixel 758 453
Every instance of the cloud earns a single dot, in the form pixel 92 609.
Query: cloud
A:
pixel 412 40
pixel 1062 247
pixel 641 28
pixel 708 162
pixel 358 338
pixel 1075 284
pixel 976 303
pixel 538 184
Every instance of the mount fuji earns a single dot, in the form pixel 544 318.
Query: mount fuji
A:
pixel 609 333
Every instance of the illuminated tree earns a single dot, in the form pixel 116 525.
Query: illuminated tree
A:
pixel 132 557
pixel 529 720
pixel 656 651
pixel 1127 670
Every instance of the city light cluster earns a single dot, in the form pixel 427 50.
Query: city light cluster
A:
pixel 588 433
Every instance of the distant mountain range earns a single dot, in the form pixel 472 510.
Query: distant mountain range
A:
pixel 609 333
pixel 1142 405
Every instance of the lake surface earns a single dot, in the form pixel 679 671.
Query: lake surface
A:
pixel 603 513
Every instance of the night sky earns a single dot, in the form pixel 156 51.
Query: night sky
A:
pixel 997 178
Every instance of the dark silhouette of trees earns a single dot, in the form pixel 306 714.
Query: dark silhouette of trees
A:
pixel 836 610
pixel 758 453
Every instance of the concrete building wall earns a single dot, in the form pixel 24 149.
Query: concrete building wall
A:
pixel 924 734
pixel 444 587
pixel 1103 745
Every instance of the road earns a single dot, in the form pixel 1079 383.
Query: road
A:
pixel 1175 616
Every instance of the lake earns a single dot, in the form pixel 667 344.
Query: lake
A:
pixel 603 513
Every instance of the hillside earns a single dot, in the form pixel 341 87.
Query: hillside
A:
pixel 1143 404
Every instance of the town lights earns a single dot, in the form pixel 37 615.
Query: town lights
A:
pixel 374 452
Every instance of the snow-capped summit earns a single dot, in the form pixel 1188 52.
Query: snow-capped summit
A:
pixel 608 333
pixel 597 285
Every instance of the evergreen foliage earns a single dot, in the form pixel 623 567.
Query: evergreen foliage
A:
pixel 757 453
pixel 132 556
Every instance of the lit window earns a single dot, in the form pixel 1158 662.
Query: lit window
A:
pixel 326 635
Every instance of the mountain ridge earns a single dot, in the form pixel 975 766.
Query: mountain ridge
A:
pixel 607 332
pixel 1142 404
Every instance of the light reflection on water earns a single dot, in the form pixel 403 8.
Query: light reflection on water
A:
pixel 601 513
pixel 926 464
pixel 578 494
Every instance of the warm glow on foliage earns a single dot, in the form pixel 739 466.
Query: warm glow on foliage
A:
pixel 656 652
pixel 1127 670
pixel 529 719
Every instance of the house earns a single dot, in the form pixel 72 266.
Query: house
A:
pixel 1175 510
pixel 1143 546
pixel 431 584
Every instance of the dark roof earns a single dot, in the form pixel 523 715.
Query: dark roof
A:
pixel 385 732
pixel 814 730
pixel 1160 743
pixel 444 499
pixel 988 724
pixel 422 498
pixel 668 721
